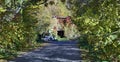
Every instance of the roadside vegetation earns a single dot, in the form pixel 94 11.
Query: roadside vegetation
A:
pixel 99 25
pixel 22 23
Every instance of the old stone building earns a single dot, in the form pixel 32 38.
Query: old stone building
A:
pixel 63 27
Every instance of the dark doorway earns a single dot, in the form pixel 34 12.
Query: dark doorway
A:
pixel 60 33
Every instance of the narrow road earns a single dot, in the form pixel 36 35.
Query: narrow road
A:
pixel 55 52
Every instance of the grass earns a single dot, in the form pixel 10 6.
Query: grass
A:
pixel 62 39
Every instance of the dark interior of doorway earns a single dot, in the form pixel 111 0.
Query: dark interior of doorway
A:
pixel 60 33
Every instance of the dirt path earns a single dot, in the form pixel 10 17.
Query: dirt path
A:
pixel 55 52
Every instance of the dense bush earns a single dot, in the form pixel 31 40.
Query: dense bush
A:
pixel 17 33
pixel 99 22
pixel 15 37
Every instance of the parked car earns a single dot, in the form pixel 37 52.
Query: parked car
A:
pixel 48 38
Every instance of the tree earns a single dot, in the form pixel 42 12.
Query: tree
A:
pixel 99 22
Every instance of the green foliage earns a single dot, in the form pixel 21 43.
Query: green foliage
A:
pixel 15 37
pixel 71 31
pixel 100 23
pixel 18 34
pixel 59 9
pixel 2 10
pixel 37 15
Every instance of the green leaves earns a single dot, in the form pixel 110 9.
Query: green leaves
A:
pixel 8 2
pixel 17 31
pixel 100 22
pixel 2 10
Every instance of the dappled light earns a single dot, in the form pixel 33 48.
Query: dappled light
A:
pixel 59 30
pixel 53 53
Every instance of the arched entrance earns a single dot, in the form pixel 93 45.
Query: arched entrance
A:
pixel 61 33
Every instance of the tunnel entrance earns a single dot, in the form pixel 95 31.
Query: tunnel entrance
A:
pixel 60 33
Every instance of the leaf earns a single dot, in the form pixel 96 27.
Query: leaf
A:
pixel 87 20
pixel 7 2
pixel 113 37
pixel 2 9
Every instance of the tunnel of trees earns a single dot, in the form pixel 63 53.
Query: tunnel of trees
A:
pixel 97 21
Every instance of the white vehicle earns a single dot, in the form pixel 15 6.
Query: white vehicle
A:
pixel 48 38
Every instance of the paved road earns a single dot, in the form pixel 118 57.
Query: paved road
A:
pixel 55 52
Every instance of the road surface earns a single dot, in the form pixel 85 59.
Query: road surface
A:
pixel 54 52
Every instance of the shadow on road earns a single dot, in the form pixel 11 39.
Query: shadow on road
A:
pixel 55 52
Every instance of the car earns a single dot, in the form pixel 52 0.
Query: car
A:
pixel 48 38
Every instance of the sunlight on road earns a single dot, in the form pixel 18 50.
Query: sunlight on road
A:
pixel 55 52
